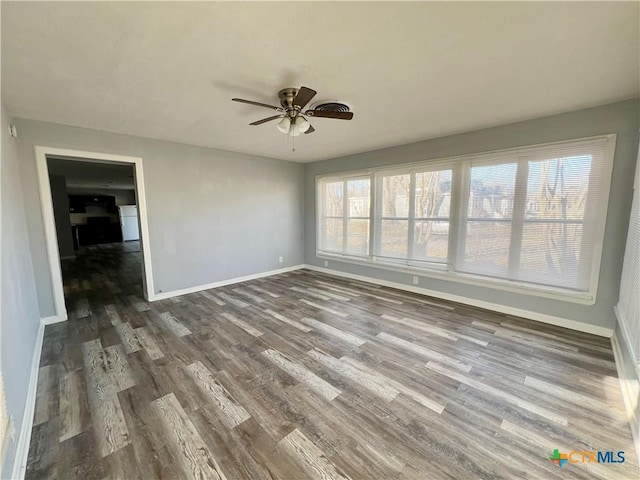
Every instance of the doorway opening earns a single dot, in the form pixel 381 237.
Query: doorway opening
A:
pixel 96 230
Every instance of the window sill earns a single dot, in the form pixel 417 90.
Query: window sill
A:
pixel 468 279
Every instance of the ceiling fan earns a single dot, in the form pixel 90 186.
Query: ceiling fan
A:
pixel 290 111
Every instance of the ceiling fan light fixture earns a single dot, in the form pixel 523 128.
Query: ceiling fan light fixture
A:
pixel 302 124
pixel 299 125
pixel 284 125
pixel 294 131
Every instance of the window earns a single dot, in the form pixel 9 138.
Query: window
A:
pixel 489 219
pixel 531 217
pixel 344 217
pixel 526 217
pixel 413 224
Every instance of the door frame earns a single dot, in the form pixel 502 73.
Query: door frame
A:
pixel 51 237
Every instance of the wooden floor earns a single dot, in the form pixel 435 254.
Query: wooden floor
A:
pixel 304 375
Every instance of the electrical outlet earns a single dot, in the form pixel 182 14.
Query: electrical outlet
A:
pixel 280 259
pixel 415 280
pixel 326 263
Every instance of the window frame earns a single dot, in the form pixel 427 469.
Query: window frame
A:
pixel 320 217
pixel 460 183
pixel 411 219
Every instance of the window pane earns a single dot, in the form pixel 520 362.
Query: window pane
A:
pixel 487 248
pixel 333 234
pixel 395 196
pixel 359 197
pixel 394 237
pixel 431 241
pixel 550 254
pixel 557 188
pixel 433 194
pixel 357 237
pixel 333 198
pixel 492 190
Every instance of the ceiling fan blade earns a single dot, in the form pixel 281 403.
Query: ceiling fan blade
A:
pixel 303 97
pixel 264 120
pixel 258 104
pixel 310 129
pixel 327 114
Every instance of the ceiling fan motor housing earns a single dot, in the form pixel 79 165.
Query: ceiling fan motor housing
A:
pixel 287 96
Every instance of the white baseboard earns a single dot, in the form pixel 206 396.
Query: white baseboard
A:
pixel 22 448
pixel 518 312
pixel 629 392
pixel 51 320
pixel 231 281
pixel 623 328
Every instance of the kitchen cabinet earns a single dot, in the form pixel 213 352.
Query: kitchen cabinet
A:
pixel 78 203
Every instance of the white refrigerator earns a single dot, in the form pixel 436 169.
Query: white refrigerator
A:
pixel 129 222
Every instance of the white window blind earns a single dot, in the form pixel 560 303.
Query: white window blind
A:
pixel 412 216
pixel 628 308
pixel 530 216
pixel 344 216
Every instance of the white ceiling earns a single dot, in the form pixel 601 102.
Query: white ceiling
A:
pixel 411 71
pixel 80 174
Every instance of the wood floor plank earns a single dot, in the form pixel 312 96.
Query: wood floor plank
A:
pixel 116 364
pixel 373 383
pixel 264 291
pixel 335 332
pixel 213 298
pixel 232 300
pixel 148 343
pixel 244 292
pixel 302 374
pixel 409 392
pixel 72 404
pixel 109 424
pixel 192 454
pixel 424 352
pixel 323 308
pixel 326 293
pixel 173 324
pixel 289 321
pixel 130 341
pixel 138 304
pixel 310 458
pixel 431 329
pixel 543 412
pixel 242 324
pixel 112 313
pixel 83 310
pixel 232 414
pixel 45 398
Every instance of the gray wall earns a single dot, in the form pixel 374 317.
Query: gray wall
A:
pixel 20 319
pixel 61 214
pixel 213 215
pixel 621 118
